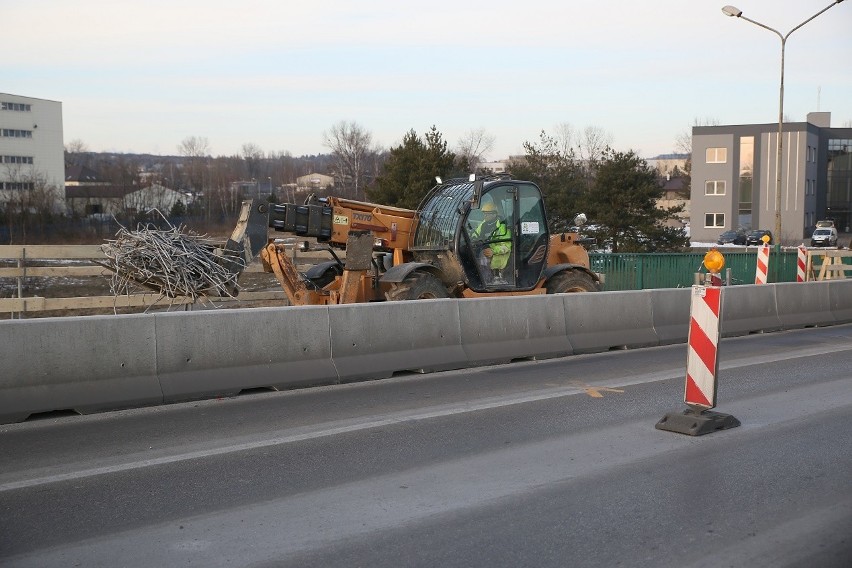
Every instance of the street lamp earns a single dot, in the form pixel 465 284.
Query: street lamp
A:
pixel 737 13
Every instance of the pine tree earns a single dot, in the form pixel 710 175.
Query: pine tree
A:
pixel 410 170
pixel 623 201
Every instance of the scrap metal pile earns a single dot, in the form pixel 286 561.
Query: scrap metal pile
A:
pixel 174 262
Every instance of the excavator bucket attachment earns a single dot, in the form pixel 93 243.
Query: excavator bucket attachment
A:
pixel 248 237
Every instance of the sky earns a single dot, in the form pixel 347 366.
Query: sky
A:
pixel 142 77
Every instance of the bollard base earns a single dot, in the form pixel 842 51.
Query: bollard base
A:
pixel 696 422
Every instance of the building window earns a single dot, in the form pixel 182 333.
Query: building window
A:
pixel 714 187
pixel 717 155
pixel 16 159
pixel 17 185
pixel 20 107
pixel 746 181
pixel 714 220
pixel 13 133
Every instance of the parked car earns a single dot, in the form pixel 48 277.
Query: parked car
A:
pixel 735 237
pixel 755 237
pixel 824 237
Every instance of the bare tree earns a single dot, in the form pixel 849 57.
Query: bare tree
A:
pixel 76 146
pixel 472 147
pixel 351 147
pixel 593 143
pixel 196 149
pixel 29 203
pixel 253 155
pixel 564 138
pixel 683 142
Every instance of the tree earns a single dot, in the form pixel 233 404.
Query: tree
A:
pixel 351 146
pixel 196 149
pixel 178 209
pixel 253 156
pixel 683 144
pixel 410 169
pixel 623 201
pixel 593 144
pixel 554 168
pixel 472 147
pixel 29 204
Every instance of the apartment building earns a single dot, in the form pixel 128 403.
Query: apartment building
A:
pixel 32 153
pixel 734 178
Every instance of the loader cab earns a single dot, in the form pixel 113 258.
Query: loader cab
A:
pixel 508 219
pixel 454 217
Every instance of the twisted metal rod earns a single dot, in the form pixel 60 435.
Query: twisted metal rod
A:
pixel 173 262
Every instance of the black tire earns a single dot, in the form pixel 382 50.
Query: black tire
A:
pixel 569 281
pixel 418 286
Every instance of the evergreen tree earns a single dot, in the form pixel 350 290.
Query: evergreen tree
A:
pixel 409 171
pixel 559 175
pixel 623 201
pixel 178 209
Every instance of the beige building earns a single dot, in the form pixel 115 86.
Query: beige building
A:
pixel 314 182
pixel 32 151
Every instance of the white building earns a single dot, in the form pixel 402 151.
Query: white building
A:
pixel 32 152
pixel 155 196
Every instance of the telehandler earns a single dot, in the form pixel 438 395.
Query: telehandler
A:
pixel 443 249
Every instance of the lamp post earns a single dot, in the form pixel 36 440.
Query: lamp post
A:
pixel 736 13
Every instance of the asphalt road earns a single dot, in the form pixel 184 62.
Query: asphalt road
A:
pixel 537 463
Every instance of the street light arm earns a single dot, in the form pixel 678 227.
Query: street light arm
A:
pixel 812 17
pixel 773 30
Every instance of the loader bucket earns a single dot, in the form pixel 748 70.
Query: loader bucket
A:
pixel 248 236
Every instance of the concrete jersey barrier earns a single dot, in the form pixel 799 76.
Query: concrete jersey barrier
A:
pixel 97 363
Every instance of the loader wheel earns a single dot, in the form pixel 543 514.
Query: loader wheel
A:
pixel 418 286
pixel 571 281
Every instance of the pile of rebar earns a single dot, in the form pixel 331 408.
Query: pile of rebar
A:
pixel 174 262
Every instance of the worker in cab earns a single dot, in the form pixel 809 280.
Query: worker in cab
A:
pixel 496 240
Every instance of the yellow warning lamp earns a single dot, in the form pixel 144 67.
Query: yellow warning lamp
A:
pixel 766 239
pixel 714 261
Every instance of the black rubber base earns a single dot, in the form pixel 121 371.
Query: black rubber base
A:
pixel 696 423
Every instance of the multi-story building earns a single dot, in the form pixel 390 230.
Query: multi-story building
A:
pixel 734 178
pixel 32 158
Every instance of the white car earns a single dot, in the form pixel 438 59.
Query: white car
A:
pixel 824 237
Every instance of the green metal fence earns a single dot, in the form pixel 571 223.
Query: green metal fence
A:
pixel 625 271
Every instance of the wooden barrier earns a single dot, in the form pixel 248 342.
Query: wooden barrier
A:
pixel 24 255
pixel 831 265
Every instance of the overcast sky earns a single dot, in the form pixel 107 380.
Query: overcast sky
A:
pixel 143 76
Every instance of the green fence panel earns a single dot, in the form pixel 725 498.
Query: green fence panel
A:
pixel 629 271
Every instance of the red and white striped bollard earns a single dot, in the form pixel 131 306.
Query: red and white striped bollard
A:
pixel 762 264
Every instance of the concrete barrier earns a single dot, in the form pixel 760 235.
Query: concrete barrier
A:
pixel 803 304
pixel 86 364
pixel 670 314
pixel 498 330
pixel 840 299
pixel 219 353
pixel 749 309
pixel 609 320
pixel 375 341
pixel 96 363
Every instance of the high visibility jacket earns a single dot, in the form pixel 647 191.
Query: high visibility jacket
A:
pixel 499 241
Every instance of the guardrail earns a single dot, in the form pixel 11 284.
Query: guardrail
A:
pixel 96 363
